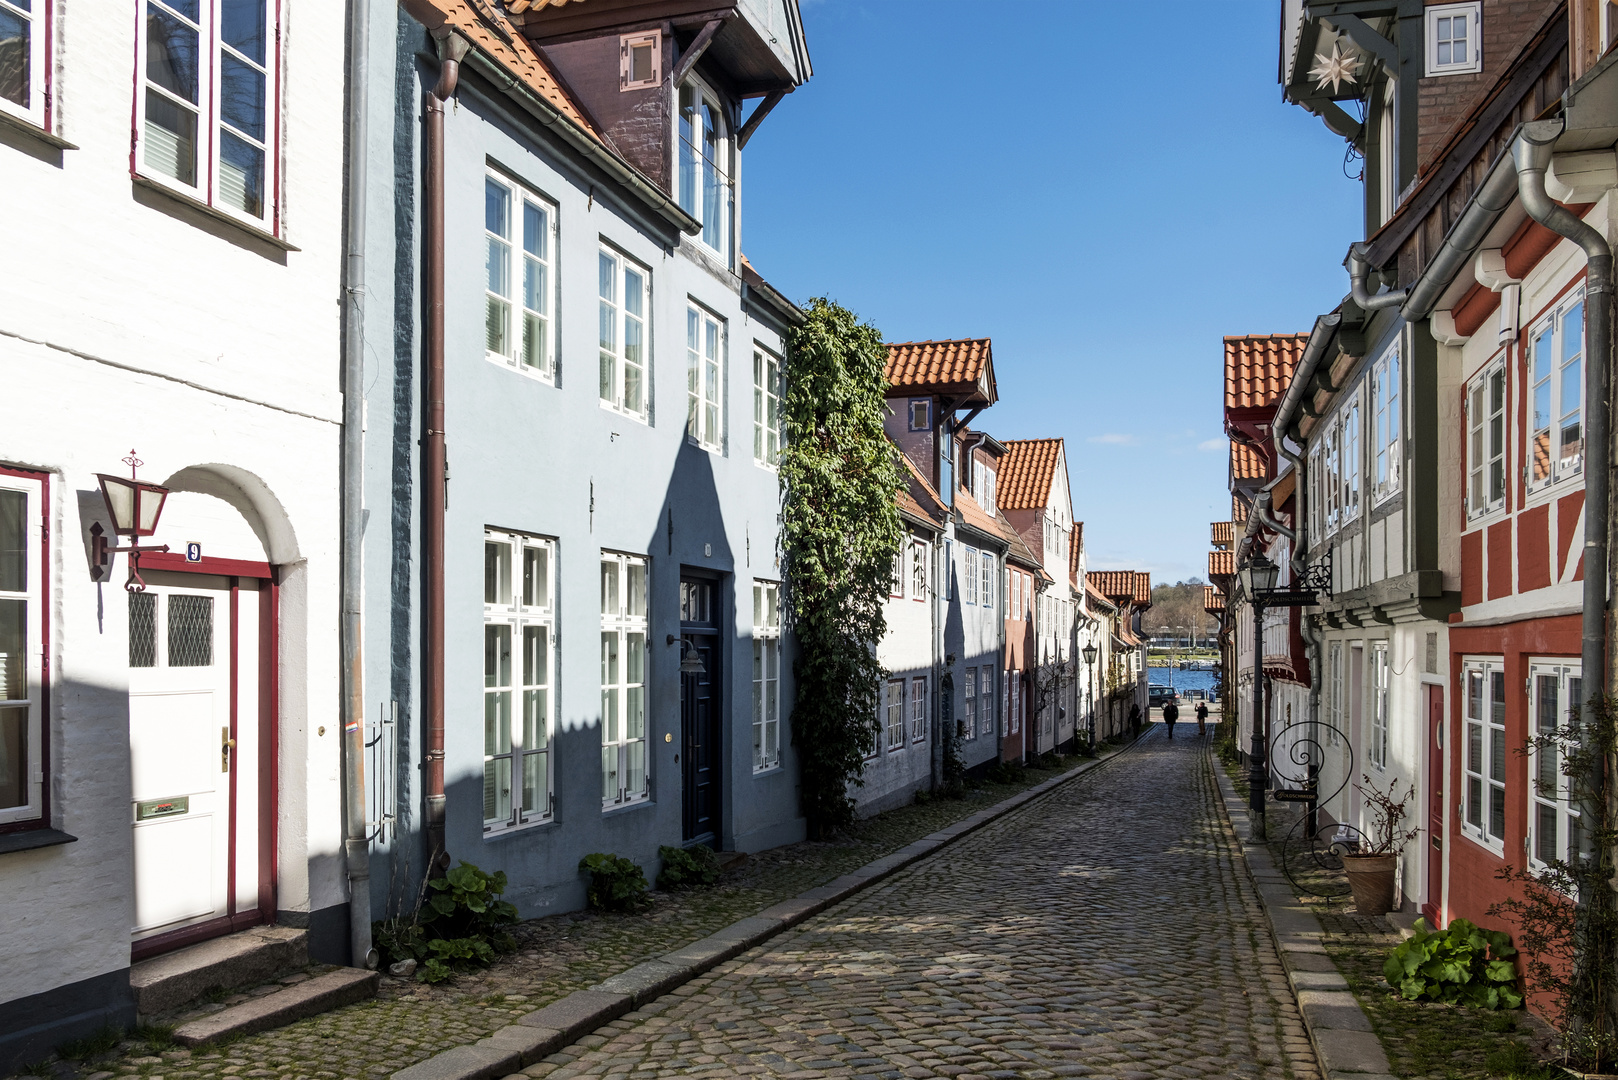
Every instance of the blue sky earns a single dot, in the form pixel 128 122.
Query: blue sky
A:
pixel 1044 174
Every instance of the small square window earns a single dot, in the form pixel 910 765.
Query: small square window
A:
pixel 1454 43
pixel 640 61
pixel 921 414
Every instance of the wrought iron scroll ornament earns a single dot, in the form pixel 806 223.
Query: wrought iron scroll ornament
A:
pixel 1311 857
pixel 1306 590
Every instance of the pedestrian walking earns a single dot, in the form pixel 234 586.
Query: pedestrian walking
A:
pixel 1171 713
pixel 1134 718
pixel 1202 719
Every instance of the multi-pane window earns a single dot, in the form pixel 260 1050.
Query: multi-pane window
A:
pixel 622 288
pixel 24 71
pixel 983 487
pixel 894 720
pixel 897 588
pixel 949 569
pixel 519 650
pixel 1556 376
pixel 205 103
pixel 1385 401
pixel 1486 441
pixel 1334 692
pixel 1332 474
pixel 623 678
pixel 517 294
pixel 918 569
pixel 1350 436
pixel 1553 823
pixel 1376 750
pixel 986 704
pixel 1453 41
pixel 1317 520
pixel 766 675
pixel 918 709
pixel 766 408
pixel 969 704
pixel 704 376
pixel 969 574
pixel 22 646
pixel 705 191
pixel 1016 596
pixel 921 414
pixel 1484 761
pixel 640 60
pixel 986 578
pixel 1014 701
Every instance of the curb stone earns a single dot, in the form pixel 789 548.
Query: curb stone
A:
pixel 543 1032
pixel 1338 1028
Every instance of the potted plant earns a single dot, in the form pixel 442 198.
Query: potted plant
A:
pixel 1372 866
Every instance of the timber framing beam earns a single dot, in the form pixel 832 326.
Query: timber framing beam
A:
pixel 689 58
pixel 760 111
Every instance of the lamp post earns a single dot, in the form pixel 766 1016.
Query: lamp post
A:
pixel 1257 578
pixel 1090 661
pixel 134 506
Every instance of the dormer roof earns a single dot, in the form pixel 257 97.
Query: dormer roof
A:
pixel 1027 472
pixel 962 369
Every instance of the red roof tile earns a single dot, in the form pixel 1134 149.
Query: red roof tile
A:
pixel 918 498
pixel 972 514
pixel 942 366
pixel 1116 585
pixel 1222 532
pixel 1026 473
pixel 1238 511
pixel 1076 548
pixel 1143 589
pixel 1213 601
pixel 1258 368
pixel 1221 564
pixel 1245 463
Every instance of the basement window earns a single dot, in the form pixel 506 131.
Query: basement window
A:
pixel 640 61
pixel 1454 45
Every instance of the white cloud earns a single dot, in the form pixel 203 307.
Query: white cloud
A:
pixel 1210 445
pixel 1113 440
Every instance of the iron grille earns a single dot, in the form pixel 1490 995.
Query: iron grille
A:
pixel 190 631
pixel 142 630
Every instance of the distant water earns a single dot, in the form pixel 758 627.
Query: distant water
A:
pixel 1182 680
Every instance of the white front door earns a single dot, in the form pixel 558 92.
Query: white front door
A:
pixel 191 752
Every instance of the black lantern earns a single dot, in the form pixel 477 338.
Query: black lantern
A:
pixel 134 506
pixel 1089 652
pixel 690 659
pixel 1258 575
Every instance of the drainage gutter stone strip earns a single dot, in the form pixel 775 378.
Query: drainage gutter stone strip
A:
pixel 545 1031
pixel 1339 1029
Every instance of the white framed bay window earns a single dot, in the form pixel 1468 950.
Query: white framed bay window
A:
pixel 23 646
pixel 1556 381
pixel 519 233
pixel 623 678
pixel 207 98
pixel 622 288
pixel 704 165
pixel 1483 762
pixel 766 675
pixel 704 377
pixel 519 664
pixel 26 31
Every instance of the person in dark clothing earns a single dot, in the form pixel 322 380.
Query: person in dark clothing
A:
pixel 1134 718
pixel 1171 713
pixel 1202 719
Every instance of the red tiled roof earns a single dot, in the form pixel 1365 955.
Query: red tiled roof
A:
pixel 1258 368
pixel 1238 512
pixel 1221 564
pixel 1222 532
pixel 1095 596
pixel 972 514
pixel 1116 585
pixel 1245 463
pixel 1143 589
pixel 941 365
pixel 1076 548
pixel 1213 601
pixel 918 498
pixel 1026 473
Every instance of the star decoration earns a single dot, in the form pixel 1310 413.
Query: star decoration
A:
pixel 1335 69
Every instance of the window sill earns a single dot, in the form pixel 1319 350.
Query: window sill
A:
pixel 524 370
pixel 512 830
pixel 771 770
pixel 197 205
pixel 18 124
pixel 616 411
pixel 1496 849
pixel 618 808
pixel 29 839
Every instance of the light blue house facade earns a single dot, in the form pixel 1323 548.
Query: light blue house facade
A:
pixel 612 674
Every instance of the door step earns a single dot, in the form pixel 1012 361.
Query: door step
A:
pixel 164 983
pixel 311 997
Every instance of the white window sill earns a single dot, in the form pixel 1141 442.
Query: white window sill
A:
pixel 495 833
pixel 768 770
pixel 608 406
pixel 767 466
pixel 521 369
pixel 628 804
pixel 34 131
pixel 146 183
pixel 1493 847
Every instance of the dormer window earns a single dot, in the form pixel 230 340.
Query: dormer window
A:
pixel 1453 39
pixel 921 414
pixel 640 59
pixel 705 165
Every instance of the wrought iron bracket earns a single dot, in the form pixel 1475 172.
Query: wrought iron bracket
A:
pixel 1310 589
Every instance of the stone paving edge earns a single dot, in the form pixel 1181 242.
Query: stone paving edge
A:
pixel 1338 1028
pixel 543 1032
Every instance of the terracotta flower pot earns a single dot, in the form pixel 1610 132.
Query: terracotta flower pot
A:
pixel 1371 879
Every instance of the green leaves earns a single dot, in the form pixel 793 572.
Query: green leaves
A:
pixel 459 924
pixel 616 883
pixel 1461 965
pixel 687 868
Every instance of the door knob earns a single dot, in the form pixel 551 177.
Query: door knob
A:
pixel 226 745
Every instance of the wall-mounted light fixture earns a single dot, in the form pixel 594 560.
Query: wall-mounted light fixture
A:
pixel 690 660
pixel 134 506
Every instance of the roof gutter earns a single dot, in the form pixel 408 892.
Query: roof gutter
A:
pixel 1359 272
pixel 1482 210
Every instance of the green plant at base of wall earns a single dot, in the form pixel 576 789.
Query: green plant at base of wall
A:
pixel 1459 965
pixel 616 883
pixel 460 923
pixel 840 479
pixel 687 868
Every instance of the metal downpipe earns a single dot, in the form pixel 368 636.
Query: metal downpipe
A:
pixel 356 839
pixel 1358 274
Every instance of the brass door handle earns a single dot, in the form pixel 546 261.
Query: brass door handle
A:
pixel 226 745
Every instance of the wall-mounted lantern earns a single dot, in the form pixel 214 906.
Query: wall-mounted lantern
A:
pixel 690 659
pixel 134 506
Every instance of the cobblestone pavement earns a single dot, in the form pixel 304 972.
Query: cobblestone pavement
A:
pixel 1104 931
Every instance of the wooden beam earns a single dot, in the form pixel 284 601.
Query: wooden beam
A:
pixel 760 111
pixel 1366 38
pixel 689 58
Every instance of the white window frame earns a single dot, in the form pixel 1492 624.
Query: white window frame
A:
pixel 920 564
pixel 768 387
pixel 896 588
pixel 987 706
pixel 37 87
pixel 918 709
pixel 969 577
pixel 986 579
pixel 211 126
pixel 1352 463
pixel 1549 341
pixel 925 407
pixel 704 377
pixel 622 620
pixel 623 371
pixel 1387 431
pixel 894 705
pixel 1551 805
pixel 1436 25
pixel 628 45
pixel 1483 751
pixel 1317 518
pixel 766 675
pixel 1334 692
pixel 969 704
pixel 520 599
pixel 1016 595
pixel 949 568
pixel 1486 439
pixel 693 190
pixel 1014 701
pixel 1332 459
pixel 1376 743
pixel 30 672
pixel 527 334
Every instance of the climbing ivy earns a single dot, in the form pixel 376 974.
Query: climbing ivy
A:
pixel 839 531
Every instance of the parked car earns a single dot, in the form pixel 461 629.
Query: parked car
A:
pixel 1157 695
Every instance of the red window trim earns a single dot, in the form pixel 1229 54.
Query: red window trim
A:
pixel 43 479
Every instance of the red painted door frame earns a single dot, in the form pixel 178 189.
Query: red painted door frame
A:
pixel 233 570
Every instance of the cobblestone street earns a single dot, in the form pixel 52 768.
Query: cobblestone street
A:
pixel 1103 931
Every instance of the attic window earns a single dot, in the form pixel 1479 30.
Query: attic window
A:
pixel 640 60
pixel 1453 39
pixel 921 414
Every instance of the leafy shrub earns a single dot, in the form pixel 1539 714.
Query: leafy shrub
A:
pixel 1460 965
pixel 1003 772
pixel 461 924
pixel 616 883
pixel 687 868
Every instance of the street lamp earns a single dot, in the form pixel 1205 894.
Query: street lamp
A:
pixel 1090 660
pixel 134 506
pixel 1258 579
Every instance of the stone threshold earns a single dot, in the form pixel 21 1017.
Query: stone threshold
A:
pixel 1338 1028
pixel 545 1031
